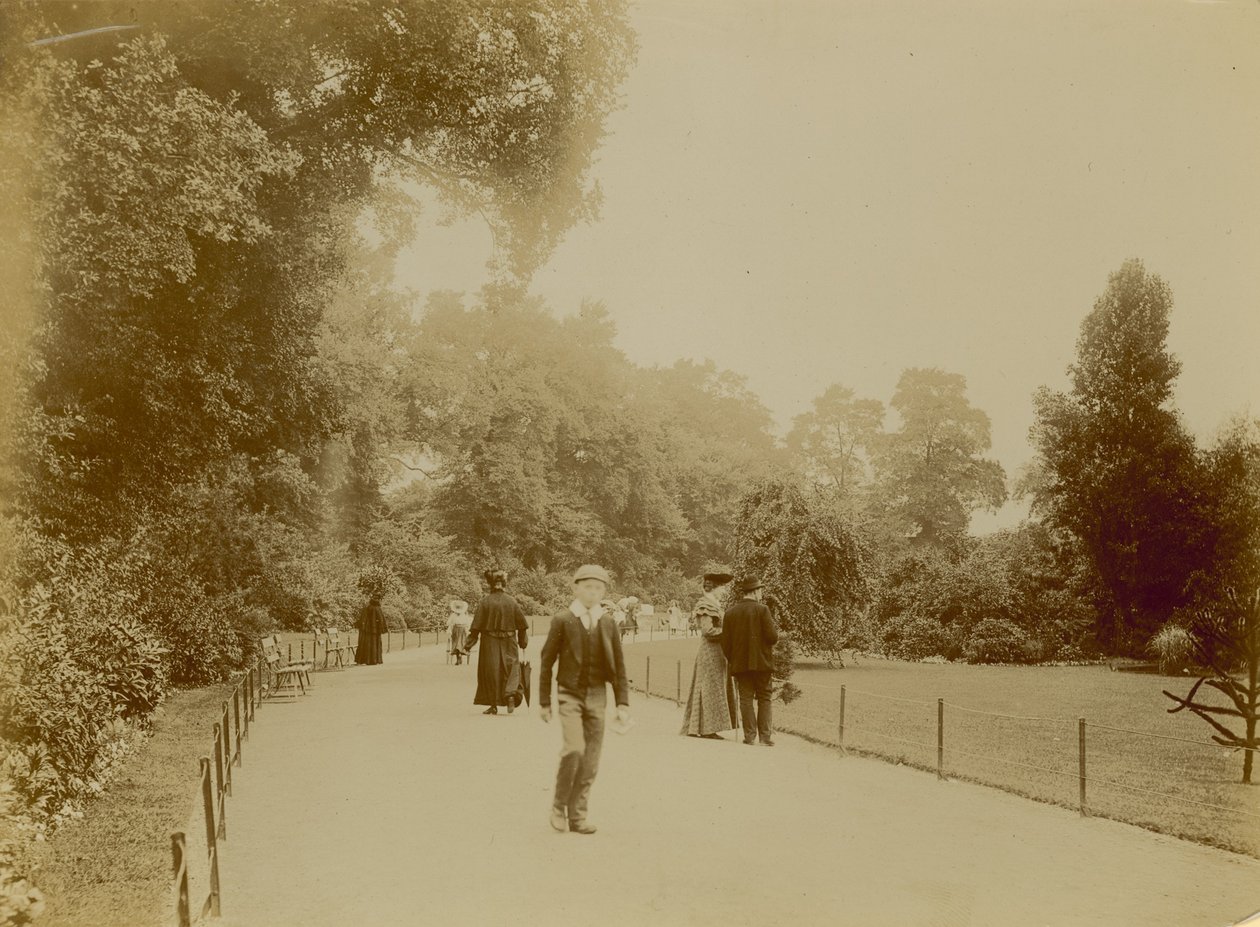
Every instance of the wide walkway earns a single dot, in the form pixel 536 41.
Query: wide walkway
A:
pixel 386 798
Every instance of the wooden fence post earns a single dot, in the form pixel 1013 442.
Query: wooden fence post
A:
pixel 179 862
pixel 841 732
pixel 647 678
pixel 679 699
pixel 227 749
pixel 212 844
pixel 236 715
pixel 940 738
pixel 1081 727
pixel 218 768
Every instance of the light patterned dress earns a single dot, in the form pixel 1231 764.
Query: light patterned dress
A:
pixel 711 705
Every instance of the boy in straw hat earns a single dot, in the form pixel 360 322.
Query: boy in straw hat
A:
pixel 584 639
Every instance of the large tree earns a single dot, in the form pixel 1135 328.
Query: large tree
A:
pixel 833 441
pixel 1117 469
pixel 930 473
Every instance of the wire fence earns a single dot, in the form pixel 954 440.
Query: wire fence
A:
pixel 1159 781
pixel 1176 785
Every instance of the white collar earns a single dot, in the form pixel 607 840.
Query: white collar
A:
pixel 579 610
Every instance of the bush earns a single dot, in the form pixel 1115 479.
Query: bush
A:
pixel 20 901
pixel 530 605
pixel 1173 645
pixel 61 718
pixel 917 639
pixel 130 663
pixel 996 641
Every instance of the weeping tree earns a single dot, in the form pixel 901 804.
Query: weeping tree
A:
pixel 811 559
pixel 1227 645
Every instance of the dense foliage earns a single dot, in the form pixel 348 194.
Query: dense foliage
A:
pixel 812 560
pixel 208 368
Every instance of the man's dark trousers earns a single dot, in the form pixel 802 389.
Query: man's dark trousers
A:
pixel 755 684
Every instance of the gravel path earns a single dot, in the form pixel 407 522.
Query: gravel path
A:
pixel 386 798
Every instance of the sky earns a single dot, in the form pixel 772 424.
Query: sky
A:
pixel 812 193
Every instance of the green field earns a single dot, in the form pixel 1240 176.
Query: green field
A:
pixel 1143 780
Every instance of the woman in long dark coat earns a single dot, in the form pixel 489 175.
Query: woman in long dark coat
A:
pixel 371 625
pixel 500 623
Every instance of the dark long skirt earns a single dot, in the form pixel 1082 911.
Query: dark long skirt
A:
pixel 498 671
pixel 368 651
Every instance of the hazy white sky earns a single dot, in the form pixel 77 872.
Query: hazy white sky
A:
pixel 822 192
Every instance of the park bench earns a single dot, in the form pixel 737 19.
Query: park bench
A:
pixel 272 648
pixel 286 680
pixel 341 653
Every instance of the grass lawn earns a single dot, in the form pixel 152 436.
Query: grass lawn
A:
pixel 114 866
pixel 1122 770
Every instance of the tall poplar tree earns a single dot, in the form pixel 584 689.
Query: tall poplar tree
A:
pixel 1118 469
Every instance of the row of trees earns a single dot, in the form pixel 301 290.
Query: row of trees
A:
pixel 205 366
pixel 223 418
pixel 1135 528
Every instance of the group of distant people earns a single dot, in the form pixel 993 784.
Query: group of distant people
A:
pixel 583 652
pixel 731 681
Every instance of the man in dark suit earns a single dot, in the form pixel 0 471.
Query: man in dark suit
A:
pixel 748 639
pixel 587 642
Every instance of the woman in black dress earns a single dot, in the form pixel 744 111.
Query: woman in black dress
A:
pixel 500 624
pixel 371 625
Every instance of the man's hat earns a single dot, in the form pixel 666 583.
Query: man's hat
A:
pixel 718 579
pixel 591 571
pixel 748 584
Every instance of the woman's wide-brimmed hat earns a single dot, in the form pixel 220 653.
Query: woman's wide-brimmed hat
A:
pixel 719 579
pixel 459 605
pixel 495 573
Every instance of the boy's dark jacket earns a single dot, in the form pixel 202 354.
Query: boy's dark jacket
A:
pixel 564 640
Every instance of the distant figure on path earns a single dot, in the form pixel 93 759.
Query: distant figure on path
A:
pixel 677 620
pixel 501 622
pixel 629 608
pixel 710 706
pixel 748 639
pixel 371 625
pixel 585 639
pixel 457 629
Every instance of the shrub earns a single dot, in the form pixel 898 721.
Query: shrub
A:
pixel 61 718
pixel 994 640
pixel 130 664
pixel 918 638
pixel 20 901
pixel 1173 645
pixel 784 664
pixel 530 605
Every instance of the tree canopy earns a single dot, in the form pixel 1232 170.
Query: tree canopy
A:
pixel 1119 471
